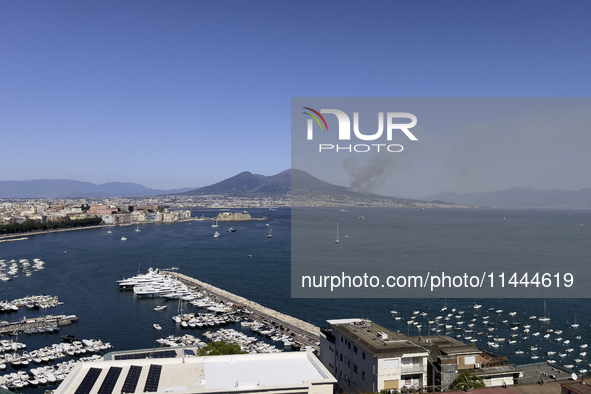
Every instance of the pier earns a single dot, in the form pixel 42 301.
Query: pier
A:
pixel 305 333
pixel 36 323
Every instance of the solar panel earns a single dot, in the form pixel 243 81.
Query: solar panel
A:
pixel 109 382
pixel 88 381
pixel 137 356
pixel 189 352
pixel 131 380
pixel 153 379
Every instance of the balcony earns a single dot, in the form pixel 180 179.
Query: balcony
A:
pixel 412 368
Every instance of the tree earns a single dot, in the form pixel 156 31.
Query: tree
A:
pixel 219 348
pixel 467 381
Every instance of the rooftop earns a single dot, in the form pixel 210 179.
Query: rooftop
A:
pixel 578 387
pixel 190 374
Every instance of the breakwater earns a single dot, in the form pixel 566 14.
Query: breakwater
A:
pixel 307 332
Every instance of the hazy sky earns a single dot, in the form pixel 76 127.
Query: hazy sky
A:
pixel 187 93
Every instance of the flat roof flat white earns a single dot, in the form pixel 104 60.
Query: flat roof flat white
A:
pixel 235 373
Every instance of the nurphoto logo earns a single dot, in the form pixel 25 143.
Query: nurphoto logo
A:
pixel 345 130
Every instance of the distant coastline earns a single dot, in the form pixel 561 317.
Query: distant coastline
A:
pixel 26 234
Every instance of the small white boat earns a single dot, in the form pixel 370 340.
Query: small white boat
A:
pixel 337 240
pixel 157 326
pixel 160 307
pixel 123 239
pixel 216 234
pixel 269 235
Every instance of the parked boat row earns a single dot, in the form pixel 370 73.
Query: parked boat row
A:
pixel 30 302
pixel 184 340
pixel 42 375
pixel 13 268
pixel 156 284
pixel 249 344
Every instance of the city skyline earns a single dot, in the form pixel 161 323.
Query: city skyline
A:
pixel 185 94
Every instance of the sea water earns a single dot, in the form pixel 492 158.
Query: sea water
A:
pixel 251 265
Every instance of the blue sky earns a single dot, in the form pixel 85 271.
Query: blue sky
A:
pixel 187 93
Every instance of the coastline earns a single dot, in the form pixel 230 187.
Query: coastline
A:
pixel 6 238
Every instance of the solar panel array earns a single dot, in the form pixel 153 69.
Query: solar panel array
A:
pixel 131 380
pixel 88 381
pixel 153 379
pixel 110 380
pixel 136 356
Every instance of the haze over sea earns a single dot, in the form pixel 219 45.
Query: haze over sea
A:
pixel 85 278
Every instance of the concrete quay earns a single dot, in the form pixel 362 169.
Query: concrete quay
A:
pixel 306 333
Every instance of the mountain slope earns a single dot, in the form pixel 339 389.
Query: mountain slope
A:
pixel 247 184
pixel 65 188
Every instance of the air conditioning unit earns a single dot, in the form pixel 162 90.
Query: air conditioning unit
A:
pixel 477 365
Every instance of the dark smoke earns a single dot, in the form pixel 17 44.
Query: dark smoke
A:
pixel 365 177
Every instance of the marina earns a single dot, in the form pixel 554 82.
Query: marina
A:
pixel 224 308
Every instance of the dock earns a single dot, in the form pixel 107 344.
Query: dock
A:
pixel 305 333
pixel 20 326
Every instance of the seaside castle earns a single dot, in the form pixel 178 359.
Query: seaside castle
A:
pixel 236 217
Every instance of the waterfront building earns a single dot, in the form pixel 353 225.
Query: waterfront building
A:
pixel 180 371
pixel 365 356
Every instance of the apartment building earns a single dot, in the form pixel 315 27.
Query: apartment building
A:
pixel 365 356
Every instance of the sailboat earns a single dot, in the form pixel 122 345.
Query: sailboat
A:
pixel 337 240
pixel 546 317
pixel 215 224
pixel 445 306
pixel 269 235
pixel 137 228
pixel 575 324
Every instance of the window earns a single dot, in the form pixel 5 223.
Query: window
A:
pixel 363 375
pixel 355 349
pixel 355 368
pixel 349 345
pixel 363 355
pixel 341 339
pixel 391 363
pixel 469 360
pixel 341 356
